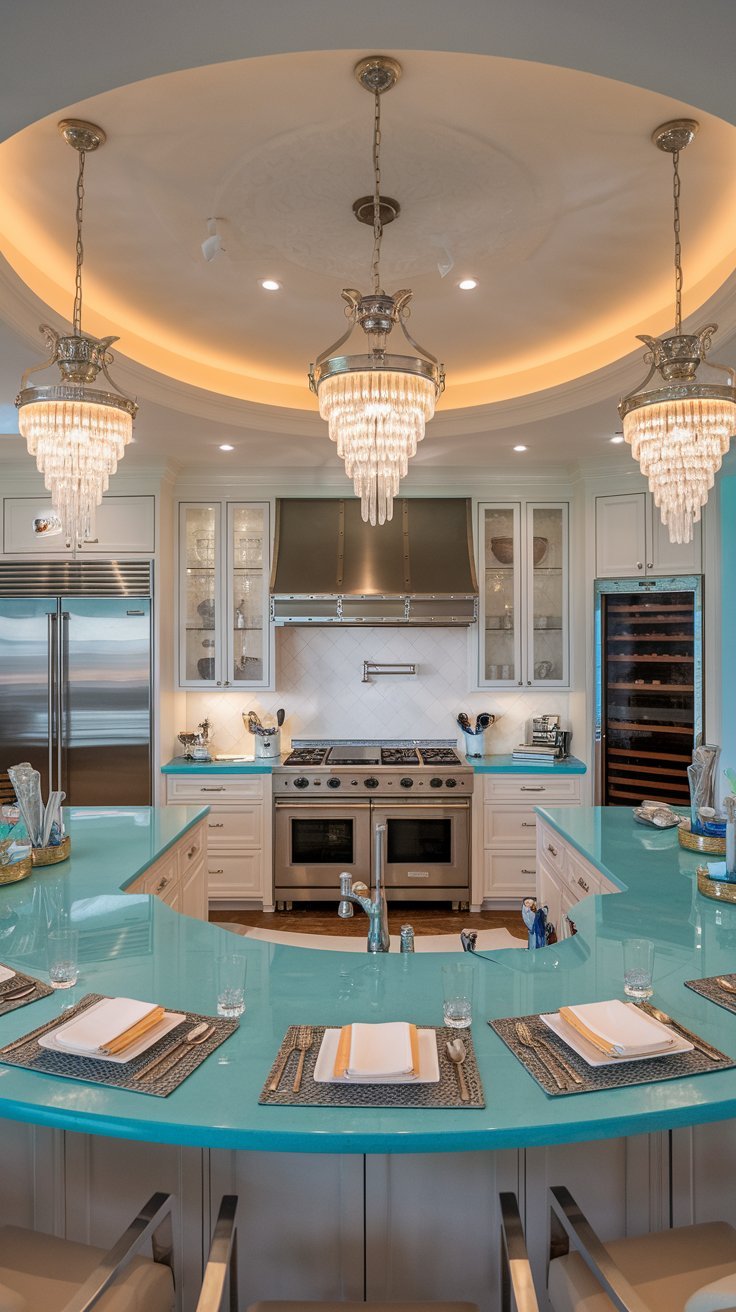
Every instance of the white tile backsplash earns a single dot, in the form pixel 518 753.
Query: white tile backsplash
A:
pixel 319 680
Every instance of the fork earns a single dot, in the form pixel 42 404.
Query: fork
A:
pixel 278 1075
pixel 304 1042
pixel 525 1037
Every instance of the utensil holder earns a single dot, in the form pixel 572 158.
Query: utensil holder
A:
pixel 51 856
pixel 269 745
pixel 474 743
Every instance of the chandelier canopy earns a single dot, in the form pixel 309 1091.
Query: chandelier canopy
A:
pixel 77 432
pixel 680 432
pixel 376 404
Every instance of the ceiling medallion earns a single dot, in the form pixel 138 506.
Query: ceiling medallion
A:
pixel 680 432
pixel 76 431
pixel 376 404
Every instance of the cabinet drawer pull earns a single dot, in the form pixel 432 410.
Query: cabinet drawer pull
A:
pixel 220 789
pixel 533 788
pixel 528 872
pixel 583 884
pixel 217 825
pixel 551 849
pixel 528 824
pixel 217 872
pixel 161 885
pixel 191 851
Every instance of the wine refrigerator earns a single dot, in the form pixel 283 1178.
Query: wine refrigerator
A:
pixel 649 688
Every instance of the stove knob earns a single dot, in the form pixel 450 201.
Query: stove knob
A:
pixel 333 783
pixel 301 782
pixel 406 783
pixel 371 782
pixel 452 783
pixel 436 783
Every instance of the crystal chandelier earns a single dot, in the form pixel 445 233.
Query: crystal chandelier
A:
pixel 76 432
pixel 679 432
pixel 376 404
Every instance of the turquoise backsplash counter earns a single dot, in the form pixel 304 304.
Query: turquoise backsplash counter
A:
pixel 505 764
pixel 177 765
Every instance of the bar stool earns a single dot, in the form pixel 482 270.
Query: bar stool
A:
pixel 688 1269
pixel 221 1277
pixel 39 1271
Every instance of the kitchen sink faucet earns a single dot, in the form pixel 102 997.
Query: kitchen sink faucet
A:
pixel 376 910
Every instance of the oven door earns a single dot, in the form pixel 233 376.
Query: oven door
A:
pixel 426 849
pixel 315 843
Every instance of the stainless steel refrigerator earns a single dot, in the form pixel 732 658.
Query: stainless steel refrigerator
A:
pixel 649 687
pixel 75 677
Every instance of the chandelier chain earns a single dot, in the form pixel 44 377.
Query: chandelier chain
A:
pixel 79 248
pixel 377 222
pixel 678 245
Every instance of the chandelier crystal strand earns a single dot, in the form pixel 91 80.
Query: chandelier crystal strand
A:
pixel 681 431
pixel 76 432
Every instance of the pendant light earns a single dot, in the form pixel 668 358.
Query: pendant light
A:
pixel 376 404
pixel 77 432
pixel 679 430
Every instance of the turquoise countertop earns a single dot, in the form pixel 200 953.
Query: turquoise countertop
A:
pixel 177 765
pixel 505 764
pixel 136 946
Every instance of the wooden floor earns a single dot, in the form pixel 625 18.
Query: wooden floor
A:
pixel 324 920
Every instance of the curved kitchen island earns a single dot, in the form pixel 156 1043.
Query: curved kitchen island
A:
pixel 371 1208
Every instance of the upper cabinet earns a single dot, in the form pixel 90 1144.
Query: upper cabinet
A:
pixel 224 560
pixel 124 526
pixel 631 541
pixel 524 622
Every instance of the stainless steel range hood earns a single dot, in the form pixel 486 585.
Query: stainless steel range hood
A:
pixel 331 568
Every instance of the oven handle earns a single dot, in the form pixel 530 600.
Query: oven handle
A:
pixel 324 805
pixel 399 808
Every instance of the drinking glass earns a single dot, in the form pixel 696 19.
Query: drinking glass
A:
pixel 638 967
pixel 457 994
pixel 63 956
pixel 231 968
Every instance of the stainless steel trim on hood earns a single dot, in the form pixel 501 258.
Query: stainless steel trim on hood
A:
pixel 332 568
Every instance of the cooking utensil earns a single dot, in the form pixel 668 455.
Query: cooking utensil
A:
pixel 280 717
pixel 254 724
pixel 525 1038
pixel 457 1053
pixel 464 723
pixel 176 1051
pixel 275 1082
pixel 305 1039
pixel 483 721
pixel 699 1044
pixel 727 985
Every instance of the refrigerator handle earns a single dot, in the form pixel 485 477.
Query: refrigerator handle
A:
pixel 61 671
pixel 51 684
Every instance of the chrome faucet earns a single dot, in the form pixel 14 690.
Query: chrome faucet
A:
pixel 376 910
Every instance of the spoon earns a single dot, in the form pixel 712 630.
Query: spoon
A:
pixel 14 995
pixel 726 984
pixel 197 1035
pixel 457 1054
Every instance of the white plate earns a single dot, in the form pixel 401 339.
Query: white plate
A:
pixel 6 973
pixel 429 1067
pixel 169 1022
pixel 594 1057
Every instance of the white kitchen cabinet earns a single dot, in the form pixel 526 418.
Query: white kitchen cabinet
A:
pixel 564 878
pixel 509 829
pixel 524 610
pixel 238 828
pixel 124 526
pixel 632 542
pixel 179 877
pixel 224 627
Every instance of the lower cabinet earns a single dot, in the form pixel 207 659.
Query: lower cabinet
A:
pixel 238 828
pixel 506 831
pixel 564 878
pixel 179 877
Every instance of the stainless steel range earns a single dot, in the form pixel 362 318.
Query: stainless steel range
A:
pixel 328 798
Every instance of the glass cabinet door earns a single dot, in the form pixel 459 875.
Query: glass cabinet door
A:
pixel 547 596
pixel 200 655
pixel 247 593
pixel 500 637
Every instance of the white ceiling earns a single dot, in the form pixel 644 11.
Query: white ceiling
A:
pixel 539 181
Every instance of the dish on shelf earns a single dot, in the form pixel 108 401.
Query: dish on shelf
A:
pixel 207 611
pixel 503 550
pixel 206 667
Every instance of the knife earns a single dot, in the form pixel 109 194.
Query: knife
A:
pixel 44 1029
pixel 700 1044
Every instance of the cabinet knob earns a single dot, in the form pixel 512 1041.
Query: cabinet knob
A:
pixel 192 851
pixel 161 885
pixel 650 564
pixel 552 849
pixel 528 683
pixel 227 683
pixel 639 565
pixel 520 682
pixel 219 681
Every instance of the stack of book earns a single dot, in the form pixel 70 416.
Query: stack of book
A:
pixel 535 754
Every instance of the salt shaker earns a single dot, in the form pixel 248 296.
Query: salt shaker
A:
pixel 406 940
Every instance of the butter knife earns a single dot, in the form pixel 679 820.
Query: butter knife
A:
pixel 701 1045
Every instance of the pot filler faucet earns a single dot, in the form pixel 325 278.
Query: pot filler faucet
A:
pixel 377 910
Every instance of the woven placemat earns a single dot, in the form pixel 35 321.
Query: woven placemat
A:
pixel 707 988
pixel 162 1082
pixel 17 982
pixel 621 1075
pixel 444 1094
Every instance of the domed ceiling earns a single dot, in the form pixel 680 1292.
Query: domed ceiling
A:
pixel 540 183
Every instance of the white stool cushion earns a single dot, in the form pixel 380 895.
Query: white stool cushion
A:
pixel 664 1269
pixel 45 1271
pixel 719 1296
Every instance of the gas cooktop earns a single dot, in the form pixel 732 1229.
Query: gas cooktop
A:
pixel 336 754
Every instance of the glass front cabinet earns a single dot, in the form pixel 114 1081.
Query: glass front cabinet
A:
pixel 524 636
pixel 224 562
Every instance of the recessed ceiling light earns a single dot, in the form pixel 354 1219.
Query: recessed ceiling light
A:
pixel 617 439
pixel 270 285
pixel 520 448
pixel 227 447
pixel 468 284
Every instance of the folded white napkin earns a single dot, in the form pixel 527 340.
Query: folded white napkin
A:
pixel 623 1030
pixel 98 1026
pixel 380 1050
pixel 6 973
